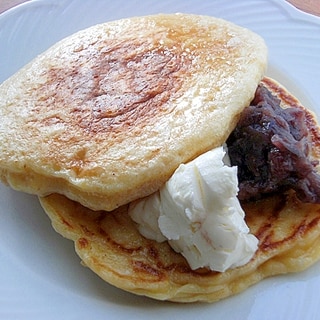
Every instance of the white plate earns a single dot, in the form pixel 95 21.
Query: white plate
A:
pixel 40 275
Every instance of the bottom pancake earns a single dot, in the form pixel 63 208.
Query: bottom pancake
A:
pixel 111 246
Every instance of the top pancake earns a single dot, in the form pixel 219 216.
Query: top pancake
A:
pixel 106 115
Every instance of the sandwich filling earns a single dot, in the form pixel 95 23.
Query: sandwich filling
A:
pixel 198 210
pixel 271 147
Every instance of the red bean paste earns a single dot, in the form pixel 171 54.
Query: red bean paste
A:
pixel 271 147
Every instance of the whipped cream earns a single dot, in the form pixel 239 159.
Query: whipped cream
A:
pixel 197 211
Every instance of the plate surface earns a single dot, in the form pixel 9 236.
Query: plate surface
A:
pixel 40 274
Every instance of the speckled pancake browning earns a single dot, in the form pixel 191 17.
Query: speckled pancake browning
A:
pixel 106 115
pixel 110 244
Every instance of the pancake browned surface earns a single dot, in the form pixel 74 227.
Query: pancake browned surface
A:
pixel 110 244
pixel 106 115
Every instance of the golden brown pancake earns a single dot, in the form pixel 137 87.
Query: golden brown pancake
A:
pixel 110 245
pixel 109 242
pixel 106 115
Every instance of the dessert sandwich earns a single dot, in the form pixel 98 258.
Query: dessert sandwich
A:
pixel 161 148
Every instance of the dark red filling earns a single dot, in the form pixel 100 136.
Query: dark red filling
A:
pixel 271 147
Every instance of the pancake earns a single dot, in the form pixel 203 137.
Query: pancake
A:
pixel 106 115
pixel 110 244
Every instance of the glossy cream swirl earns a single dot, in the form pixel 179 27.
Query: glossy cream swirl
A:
pixel 198 212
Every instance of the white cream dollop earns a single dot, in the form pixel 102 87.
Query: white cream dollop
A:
pixel 199 213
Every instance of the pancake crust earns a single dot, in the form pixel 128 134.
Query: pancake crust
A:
pixel 110 244
pixel 106 115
